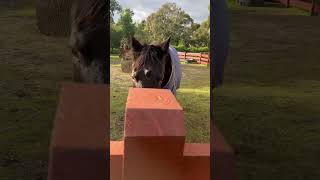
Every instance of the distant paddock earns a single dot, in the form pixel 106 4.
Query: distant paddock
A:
pixel 201 58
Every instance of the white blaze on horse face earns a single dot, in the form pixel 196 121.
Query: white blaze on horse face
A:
pixel 139 84
pixel 146 71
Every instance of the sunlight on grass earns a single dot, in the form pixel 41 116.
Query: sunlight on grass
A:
pixel 202 91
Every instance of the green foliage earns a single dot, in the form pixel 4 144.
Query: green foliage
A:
pixel 168 21
pixel 199 49
pixel 114 51
pixel 192 49
pixel 114 7
pixel 115 31
pixel 201 37
pixel 126 23
pixel 115 35
pixel 123 29
pixel 141 33
pixel 172 21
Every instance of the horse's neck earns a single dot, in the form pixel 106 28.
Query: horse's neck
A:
pixel 167 72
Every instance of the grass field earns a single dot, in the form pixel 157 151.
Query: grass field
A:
pixel 269 106
pixel 32 66
pixel 193 96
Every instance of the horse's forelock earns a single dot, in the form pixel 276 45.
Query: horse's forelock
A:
pixel 149 52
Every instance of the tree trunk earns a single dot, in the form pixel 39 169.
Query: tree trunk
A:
pixel 53 17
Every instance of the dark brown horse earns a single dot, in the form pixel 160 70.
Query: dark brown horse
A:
pixel 88 41
pixel 155 66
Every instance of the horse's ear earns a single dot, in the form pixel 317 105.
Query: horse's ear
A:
pixel 136 45
pixel 165 45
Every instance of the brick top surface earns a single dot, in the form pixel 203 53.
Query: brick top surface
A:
pixel 116 148
pixel 147 98
pixel 82 118
pixel 153 113
pixel 196 149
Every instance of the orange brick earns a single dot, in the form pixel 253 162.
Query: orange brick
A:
pixel 154 136
pixel 196 161
pixel 153 112
pixel 79 143
pixel 116 160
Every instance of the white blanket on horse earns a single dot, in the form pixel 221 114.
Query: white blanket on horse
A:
pixel 176 74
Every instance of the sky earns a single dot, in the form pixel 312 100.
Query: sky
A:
pixel 197 9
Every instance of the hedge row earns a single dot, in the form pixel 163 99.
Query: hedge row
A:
pixel 114 51
pixel 192 49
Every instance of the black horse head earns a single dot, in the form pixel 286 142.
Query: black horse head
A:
pixel 88 41
pixel 151 67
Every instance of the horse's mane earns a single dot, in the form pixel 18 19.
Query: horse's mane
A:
pixel 89 12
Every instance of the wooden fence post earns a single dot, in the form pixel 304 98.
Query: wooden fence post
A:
pixel 198 57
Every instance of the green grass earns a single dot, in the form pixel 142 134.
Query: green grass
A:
pixel 193 97
pixel 268 8
pixel 269 107
pixel 32 66
pixel 25 12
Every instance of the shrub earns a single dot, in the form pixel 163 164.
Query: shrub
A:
pixel 114 51
pixel 192 49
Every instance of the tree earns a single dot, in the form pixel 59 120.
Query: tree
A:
pixel 186 39
pixel 115 35
pixel 115 31
pixel 168 21
pixel 140 32
pixel 126 23
pixel 123 29
pixel 201 37
pixel 114 7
